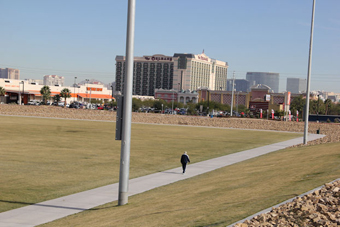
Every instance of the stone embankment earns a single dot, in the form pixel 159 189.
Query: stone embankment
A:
pixel 331 130
pixel 320 208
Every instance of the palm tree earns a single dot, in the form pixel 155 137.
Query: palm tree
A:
pixel 45 91
pixel 65 93
pixel 57 99
pixel 2 92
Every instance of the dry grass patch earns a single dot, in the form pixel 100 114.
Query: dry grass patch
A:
pixel 223 196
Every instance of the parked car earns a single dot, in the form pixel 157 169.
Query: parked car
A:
pixel 33 102
pixel 76 105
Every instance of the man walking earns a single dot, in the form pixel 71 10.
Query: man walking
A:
pixel 184 160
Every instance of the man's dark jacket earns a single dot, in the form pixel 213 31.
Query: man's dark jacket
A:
pixel 185 159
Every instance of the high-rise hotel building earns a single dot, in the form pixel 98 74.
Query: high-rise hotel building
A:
pixel 9 73
pixel 194 71
pixel 149 73
pixel 178 72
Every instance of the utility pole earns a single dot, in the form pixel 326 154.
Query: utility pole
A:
pixel 232 96
pixel 305 135
pixel 75 81
pixel 172 106
pixel 127 108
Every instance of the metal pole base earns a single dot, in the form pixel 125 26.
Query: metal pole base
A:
pixel 122 198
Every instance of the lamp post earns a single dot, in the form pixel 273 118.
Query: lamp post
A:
pixel 87 81
pixel 317 113
pixel 23 91
pixel 162 108
pixel 232 96
pixel 112 97
pixel 19 95
pixel 305 134
pixel 75 79
pixel 172 106
pixel 236 101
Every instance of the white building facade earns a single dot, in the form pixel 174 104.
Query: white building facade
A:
pixel 296 85
pixel 52 80
pixel 22 91
pixel 194 71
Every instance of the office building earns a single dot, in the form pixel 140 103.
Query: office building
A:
pixel 241 85
pixel 296 85
pixel 8 73
pixel 266 78
pixel 196 71
pixel 54 80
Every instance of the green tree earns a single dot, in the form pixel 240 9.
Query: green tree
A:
pixel 158 104
pixel 56 98
pixel 65 93
pixel 136 104
pixel 191 109
pixel 45 91
pixel 297 104
pixel 334 110
pixel 2 92
pixel 328 105
pixel 148 103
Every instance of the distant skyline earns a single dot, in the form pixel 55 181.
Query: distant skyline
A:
pixel 81 38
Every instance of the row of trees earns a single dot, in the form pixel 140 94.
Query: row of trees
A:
pixel 45 91
pixel 326 107
pixel 318 106
pixel 192 108
pixel 321 107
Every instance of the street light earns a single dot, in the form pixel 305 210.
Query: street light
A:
pixel 23 91
pixel 173 95
pixel 75 79
pixel 87 81
pixel 20 98
pixel 112 97
pixel 317 113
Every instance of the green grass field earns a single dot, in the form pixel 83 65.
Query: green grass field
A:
pixel 224 196
pixel 42 159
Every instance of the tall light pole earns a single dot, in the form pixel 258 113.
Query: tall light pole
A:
pixel 232 96
pixel 87 81
pixel 237 101
pixel 317 113
pixel 305 135
pixel 23 90
pixel 19 95
pixel 172 106
pixel 127 108
pixel 112 97
pixel 75 81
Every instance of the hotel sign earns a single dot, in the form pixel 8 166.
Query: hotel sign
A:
pixel 159 58
pixel 202 57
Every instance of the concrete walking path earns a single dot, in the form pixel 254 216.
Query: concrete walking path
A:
pixel 51 210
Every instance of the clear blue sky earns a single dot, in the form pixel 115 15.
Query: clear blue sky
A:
pixel 82 37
